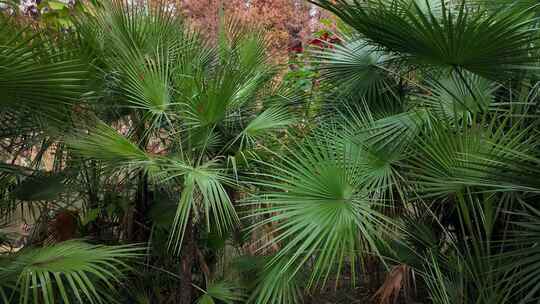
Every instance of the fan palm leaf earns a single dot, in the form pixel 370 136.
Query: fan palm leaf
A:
pixel 37 75
pixel 494 44
pixel 379 146
pixel 523 259
pixel 268 121
pixel 202 183
pixel 104 143
pixel 275 287
pixel 218 292
pixel 203 189
pixel 319 207
pixel 355 67
pixel 71 272
pixel 448 155
pixel 452 97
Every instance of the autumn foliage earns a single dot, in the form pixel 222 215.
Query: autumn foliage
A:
pixel 286 23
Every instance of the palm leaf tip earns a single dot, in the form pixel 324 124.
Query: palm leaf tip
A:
pixel 104 143
pixel 204 189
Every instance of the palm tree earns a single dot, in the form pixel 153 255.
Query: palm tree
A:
pixel 198 114
pixel 40 83
pixel 195 111
pixel 427 121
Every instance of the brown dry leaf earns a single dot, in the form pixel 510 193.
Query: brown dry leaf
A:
pixel 397 280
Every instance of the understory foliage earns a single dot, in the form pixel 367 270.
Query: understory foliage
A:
pixel 150 164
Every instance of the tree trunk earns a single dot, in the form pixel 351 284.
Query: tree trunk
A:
pixel 93 199
pixel 142 222
pixel 185 294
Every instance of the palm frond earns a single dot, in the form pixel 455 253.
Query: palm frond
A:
pixel 37 75
pixel 203 189
pixel 449 155
pixel 270 120
pixel 494 44
pixel 355 68
pixel 40 187
pixel 377 147
pixel 143 45
pixel 218 292
pixel 523 261
pixel 319 208
pixel 104 143
pixel 71 272
pixel 229 84
pixel 275 287
pixel 453 97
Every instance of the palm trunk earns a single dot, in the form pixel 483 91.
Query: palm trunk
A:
pixel 142 222
pixel 93 199
pixel 185 296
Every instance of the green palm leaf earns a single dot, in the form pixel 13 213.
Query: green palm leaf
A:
pixel 71 272
pixel 104 143
pixel 319 208
pixel 355 68
pixel 523 260
pixel 276 287
pixel 219 292
pixel 270 120
pixel 494 44
pixel 203 189
pixel 203 185
pixel 449 155
pixel 153 58
pixel 37 74
pixel 40 187
pixel 378 147
pixel 452 97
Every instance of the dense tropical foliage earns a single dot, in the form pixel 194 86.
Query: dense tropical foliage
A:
pixel 394 160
